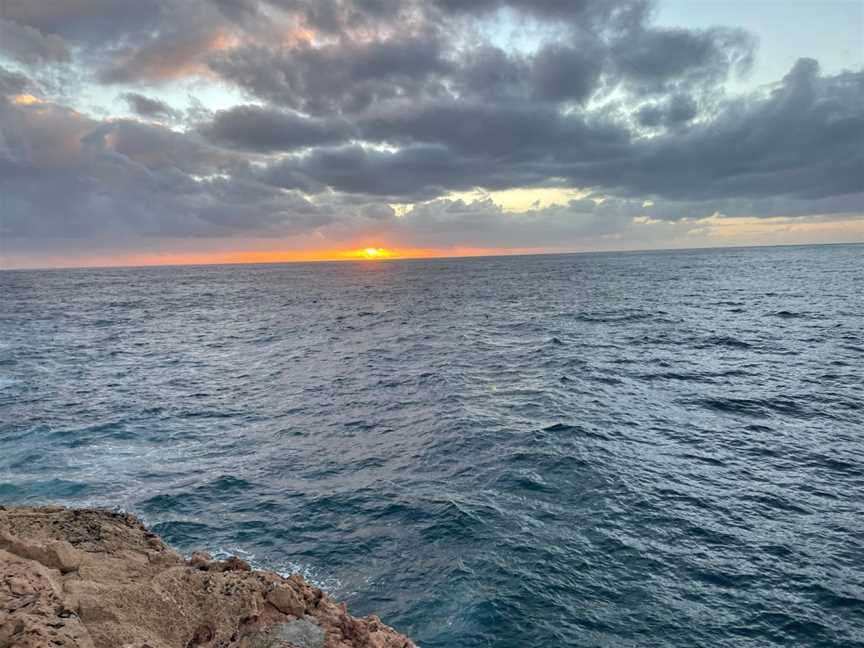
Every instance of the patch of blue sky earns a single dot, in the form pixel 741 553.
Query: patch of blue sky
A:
pixel 830 31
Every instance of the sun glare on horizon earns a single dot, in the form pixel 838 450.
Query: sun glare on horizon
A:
pixel 375 253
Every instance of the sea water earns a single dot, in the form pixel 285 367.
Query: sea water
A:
pixel 658 448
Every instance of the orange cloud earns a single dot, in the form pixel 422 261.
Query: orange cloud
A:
pixel 172 59
pixel 186 55
pixel 293 36
pixel 26 100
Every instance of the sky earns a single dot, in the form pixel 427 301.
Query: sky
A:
pixel 209 131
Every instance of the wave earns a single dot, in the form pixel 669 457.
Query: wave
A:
pixel 615 317
pixel 7 381
pixel 726 341
pixel 756 407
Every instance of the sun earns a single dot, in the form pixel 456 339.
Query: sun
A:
pixel 375 253
pixel 369 254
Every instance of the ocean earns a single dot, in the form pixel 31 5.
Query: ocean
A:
pixel 628 449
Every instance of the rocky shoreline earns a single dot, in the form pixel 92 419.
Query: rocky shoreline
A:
pixel 93 578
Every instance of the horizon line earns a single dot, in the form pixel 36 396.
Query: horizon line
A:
pixel 420 258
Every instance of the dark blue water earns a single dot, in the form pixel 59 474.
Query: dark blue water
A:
pixel 660 449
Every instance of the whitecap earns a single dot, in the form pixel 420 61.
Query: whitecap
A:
pixel 329 584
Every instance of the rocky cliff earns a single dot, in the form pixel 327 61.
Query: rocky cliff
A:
pixel 90 578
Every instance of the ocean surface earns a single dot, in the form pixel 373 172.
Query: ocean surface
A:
pixel 632 449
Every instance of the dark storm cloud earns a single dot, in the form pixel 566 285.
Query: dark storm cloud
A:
pixel 805 139
pixel 414 172
pixel 351 105
pixel 253 128
pixel 189 32
pixel 406 49
pixel 490 72
pixel 85 21
pixel 40 136
pixel 154 147
pixel 346 77
pixel 745 151
pixel 28 45
pixel 145 40
pixel 560 73
pixel 506 133
pixel 658 60
pixel 12 82
pixel 430 54
pixel 65 177
pixel 676 110
pixel 353 78
pixel 148 107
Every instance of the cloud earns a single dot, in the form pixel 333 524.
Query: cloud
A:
pixel 674 111
pixel 344 77
pixel 562 73
pixel 66 177
pixel 148 107
pixel 146 40
pixel 572 11
pixel 745 150
pixel 154 147
pixel 344 56
pixel 655 61
pixel 12 83
pixel 804 139
pixel 437 54
pixel 412 173
pixel 85 21
pixel 172 55
pixel 484 224
pixel 257 129
pixel 506 133
pixel 28 45
pixel 340 109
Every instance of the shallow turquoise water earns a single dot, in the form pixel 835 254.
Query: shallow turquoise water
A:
pixel 634 449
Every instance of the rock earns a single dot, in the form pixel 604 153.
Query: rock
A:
pixel 236 564
pixel 32 614
pixel 59 555
pixel 302 633
pixel 204 562
pixel 63 556
pixel 200 560
pixel 89 578
pixel 285 599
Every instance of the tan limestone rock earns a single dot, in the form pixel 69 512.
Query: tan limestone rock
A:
pixel 88 578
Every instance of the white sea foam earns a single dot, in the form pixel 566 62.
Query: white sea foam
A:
pixel 329 584
pixel 7 381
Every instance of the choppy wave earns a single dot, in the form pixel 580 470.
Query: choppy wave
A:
pixel 590 450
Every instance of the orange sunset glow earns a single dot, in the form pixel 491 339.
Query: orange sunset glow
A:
pixel 373 253
pixel 232 257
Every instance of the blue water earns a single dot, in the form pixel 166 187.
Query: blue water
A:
pixel 661 449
